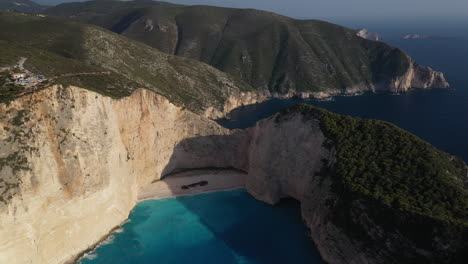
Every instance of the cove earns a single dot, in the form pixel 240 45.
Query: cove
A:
pixel 218 227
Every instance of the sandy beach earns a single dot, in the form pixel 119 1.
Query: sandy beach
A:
pixel 193 182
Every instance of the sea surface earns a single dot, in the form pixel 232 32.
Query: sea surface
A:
pixel 213 228
pixel 439 116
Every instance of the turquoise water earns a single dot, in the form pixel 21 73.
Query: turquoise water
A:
pixel 213 228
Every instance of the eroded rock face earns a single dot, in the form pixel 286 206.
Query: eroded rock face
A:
pixel 289 156
pixel 365 34
pixel 275 172
pixel 286 157
pixel 420 77
pixel 72 162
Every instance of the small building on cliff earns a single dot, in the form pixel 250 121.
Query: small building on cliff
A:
pixel 17 76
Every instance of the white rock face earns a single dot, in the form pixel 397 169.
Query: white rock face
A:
pixel 149 24
pixel 72 162
pixel 418 76
pixel 286 156
pixel 274 170
pixel 364 33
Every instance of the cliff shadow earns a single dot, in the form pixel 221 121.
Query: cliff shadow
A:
pixel 242 228
pixel 214 151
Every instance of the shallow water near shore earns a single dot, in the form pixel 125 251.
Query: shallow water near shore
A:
pixel 219 227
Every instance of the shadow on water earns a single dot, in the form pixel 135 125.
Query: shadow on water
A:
pixel 210 228
pixel 258 233
pixel 252 232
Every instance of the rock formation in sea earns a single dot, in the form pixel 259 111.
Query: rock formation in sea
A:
pixel 419 36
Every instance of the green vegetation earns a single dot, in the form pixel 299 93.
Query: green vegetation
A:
pixel 268 51
pixel 62 50
pixel 8 91
pixel 378 160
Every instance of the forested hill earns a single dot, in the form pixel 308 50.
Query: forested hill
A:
pixel 71 53
pixel 269 51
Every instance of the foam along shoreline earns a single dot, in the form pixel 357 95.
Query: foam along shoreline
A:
pixel 193 182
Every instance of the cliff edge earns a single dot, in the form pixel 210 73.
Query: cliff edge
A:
pixel 72 162
pixel 369 191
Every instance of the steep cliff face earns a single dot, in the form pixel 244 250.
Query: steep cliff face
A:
pixel 416 76
pixel 71 164
pixel 357 219
pixel 276 171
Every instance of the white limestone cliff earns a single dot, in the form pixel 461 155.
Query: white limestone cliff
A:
pixel 418 76
pixel 72 162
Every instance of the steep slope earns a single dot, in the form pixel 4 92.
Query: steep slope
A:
pixel 277 55
pixel 21 6
pixel 62 50
pixel 370 192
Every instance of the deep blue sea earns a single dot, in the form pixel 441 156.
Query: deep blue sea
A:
pixel 213 228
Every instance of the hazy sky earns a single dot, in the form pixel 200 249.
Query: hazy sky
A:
pixel 347 8
pixel 341 8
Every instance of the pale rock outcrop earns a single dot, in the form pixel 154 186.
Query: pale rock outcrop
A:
pixel 365 34
pixel 418 76
pixel 72 162
pixel 415 77
pixel 149 24
pixel 286 158
pixel 235 100
pixel 276 170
